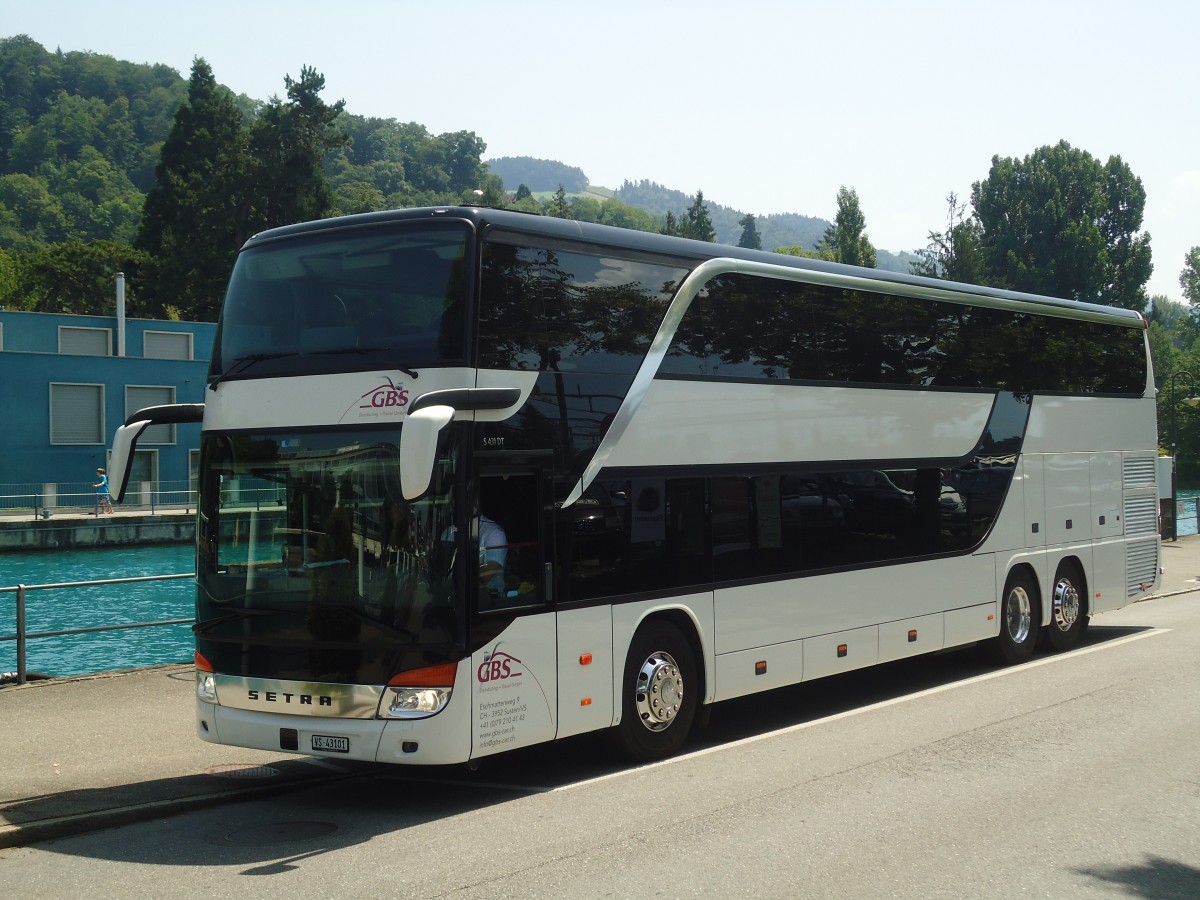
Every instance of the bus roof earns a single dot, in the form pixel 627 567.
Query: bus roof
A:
pixel 647 242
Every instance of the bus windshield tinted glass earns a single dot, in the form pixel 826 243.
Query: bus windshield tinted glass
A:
pixel 311 564
pixel 346 300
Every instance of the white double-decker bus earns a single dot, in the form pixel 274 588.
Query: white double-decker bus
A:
pixel 471 480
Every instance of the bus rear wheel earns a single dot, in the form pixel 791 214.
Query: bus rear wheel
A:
pixel 659 695
pixel 1068 609
pixel 1019 618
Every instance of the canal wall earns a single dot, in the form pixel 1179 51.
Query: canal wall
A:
pixel 75 532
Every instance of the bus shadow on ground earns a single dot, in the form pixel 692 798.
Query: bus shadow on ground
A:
pixel 275 834
pixel 578 759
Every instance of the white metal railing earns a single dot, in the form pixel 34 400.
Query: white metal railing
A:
pixel 22 635
pixel 44 500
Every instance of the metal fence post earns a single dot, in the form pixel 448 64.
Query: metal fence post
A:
pixel 21 668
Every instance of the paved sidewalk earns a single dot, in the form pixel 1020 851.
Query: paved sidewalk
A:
pixel 91 752
pixel 86 753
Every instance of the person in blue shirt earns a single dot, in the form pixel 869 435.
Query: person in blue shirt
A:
pixel 103 497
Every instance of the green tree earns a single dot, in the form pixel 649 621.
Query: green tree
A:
pixel 194 217
pixel 846 241
pixel 1189 278
pixel 558 207
pixel 750 238
pixel 1060 222
pixel 586 209
pixel 797 250
pixel 78 277
pixel 622 215
pixel 8 281
pixel 955 253
pixel 285 182
pixel 696 223
pixel 30 215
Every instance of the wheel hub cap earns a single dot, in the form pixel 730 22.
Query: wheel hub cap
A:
pixel 1066 605
pixel 1018 615
pixel 659 691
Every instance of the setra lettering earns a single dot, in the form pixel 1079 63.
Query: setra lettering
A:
pixel 284 697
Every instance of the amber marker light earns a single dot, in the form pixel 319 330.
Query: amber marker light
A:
pixel 418 693
pixel 586 701
pixel 585 659
pixel 430 676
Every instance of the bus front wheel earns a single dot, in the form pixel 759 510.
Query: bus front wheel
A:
pixel 1020 619
pixel 661 688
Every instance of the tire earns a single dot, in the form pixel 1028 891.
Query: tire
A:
pixel 1068 609
pixel 660 693
pixel 1020 618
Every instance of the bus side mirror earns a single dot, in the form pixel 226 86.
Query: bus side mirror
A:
pixel 418 448
pixel 121 461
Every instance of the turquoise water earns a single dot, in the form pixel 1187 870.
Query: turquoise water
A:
pixel 1186 514
pixel 55 610
pixel 113 604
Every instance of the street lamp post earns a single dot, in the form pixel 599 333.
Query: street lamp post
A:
pixel 1172 402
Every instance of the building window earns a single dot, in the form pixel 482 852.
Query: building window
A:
pixel 167 345
pixel 75 341
pixel 139 397
pixel 77 414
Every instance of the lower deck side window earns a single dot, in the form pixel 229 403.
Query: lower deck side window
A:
pixel 645 534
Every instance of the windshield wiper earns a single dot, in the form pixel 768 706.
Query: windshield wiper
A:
pixel 242 363
pixel 360 350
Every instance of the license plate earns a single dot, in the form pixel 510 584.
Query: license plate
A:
pixel 330 744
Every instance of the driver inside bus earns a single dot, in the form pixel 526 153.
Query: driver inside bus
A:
pixel 493 556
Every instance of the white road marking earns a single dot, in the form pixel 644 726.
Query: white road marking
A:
pixel 790 729
pixel 859 710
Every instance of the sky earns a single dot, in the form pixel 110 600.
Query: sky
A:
pixel 767 106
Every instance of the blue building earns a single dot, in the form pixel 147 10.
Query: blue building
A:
pixel 67 382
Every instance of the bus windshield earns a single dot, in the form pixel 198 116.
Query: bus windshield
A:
pixel 312 566
pixel 352 301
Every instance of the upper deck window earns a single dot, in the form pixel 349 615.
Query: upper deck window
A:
pixel 347 300
pixel 559 307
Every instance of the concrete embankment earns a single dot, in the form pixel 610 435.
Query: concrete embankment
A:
pixel 67 531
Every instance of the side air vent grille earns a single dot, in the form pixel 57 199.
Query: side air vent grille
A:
pixel 1141 566
pixel 1141 514
pixel 1140 470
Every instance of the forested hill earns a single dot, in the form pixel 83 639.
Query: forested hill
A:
pixel 81 135
pixel 775 230
pixel 82 139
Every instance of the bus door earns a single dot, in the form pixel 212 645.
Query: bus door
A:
pixel 514 683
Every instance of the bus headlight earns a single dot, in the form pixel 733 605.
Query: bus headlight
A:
pixel 206 680
pixel 206 687
pixel 418 692
pixel 408 703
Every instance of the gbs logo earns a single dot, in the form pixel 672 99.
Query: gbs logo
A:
pixel 497 668
pixel 386 395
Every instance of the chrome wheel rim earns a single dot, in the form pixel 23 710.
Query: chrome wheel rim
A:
pixel 1018 615
pixel 658 693
pixel 1066 605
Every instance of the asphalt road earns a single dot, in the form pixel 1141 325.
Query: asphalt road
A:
pixel 1072 776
